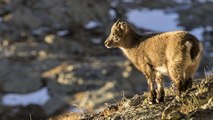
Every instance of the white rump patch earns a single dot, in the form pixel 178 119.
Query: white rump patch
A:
pixel 188 44
pixel 163 70
pixel 201 47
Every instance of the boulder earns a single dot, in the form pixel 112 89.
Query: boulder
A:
pixel 54 105
pixel 20 77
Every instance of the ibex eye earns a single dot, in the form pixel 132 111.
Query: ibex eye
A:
pixel 116 39
pixel 116 31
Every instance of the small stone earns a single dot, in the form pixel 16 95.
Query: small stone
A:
pixel 49 39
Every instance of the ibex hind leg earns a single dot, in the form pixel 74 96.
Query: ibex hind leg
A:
pixel 190 73
pixel 176 75
pixel 192 68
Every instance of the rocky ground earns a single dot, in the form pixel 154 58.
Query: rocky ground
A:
pixel 59 46
pixel 196 104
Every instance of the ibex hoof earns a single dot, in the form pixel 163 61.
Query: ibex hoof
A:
pixel 151 102
pixel 177 98
pixel 160 100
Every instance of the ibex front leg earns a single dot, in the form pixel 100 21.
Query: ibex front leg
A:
pixel 151 89
pixel 150 76
pixel 160 87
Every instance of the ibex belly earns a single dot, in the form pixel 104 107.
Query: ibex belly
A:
pixel 162 69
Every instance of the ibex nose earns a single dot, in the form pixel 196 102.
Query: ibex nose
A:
pixel 106 41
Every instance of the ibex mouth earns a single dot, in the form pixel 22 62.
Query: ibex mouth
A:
pixel 107 44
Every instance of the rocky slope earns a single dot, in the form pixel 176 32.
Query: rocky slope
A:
pixel 196 104
pixel 58 46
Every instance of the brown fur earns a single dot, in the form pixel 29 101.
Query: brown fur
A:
pixel 176 54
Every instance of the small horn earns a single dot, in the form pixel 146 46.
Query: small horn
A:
pixel 118 21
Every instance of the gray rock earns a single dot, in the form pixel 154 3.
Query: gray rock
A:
pixel 68 48
pixel 200 114
pixel 89 10
pixel 53 105
pixel 28 16
pixel 22 112
pixel 19 77
pixel 22 65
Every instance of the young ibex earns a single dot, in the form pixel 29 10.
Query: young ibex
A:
pixel 176 54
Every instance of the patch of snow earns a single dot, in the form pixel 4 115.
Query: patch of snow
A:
pixel 62 32
pixel 75 109
pixel 128 1
pixel 178 8
pixel 209 28
pixel 40 30
pixel 183 1
pixel 96 40
pixel 112 14
pixel 156 20
pixel 207 44
pixel 204 1
pixel 114 3
pixel 39 97
pixel 211 54
pixel 198 33
pixel 189 1
pixel 92 24
pixel 209 73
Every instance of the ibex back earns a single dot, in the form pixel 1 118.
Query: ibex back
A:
pixel 176 54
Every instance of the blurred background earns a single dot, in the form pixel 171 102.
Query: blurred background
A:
pixel 52 57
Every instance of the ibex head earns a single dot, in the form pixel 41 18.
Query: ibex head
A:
pixel 118 31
